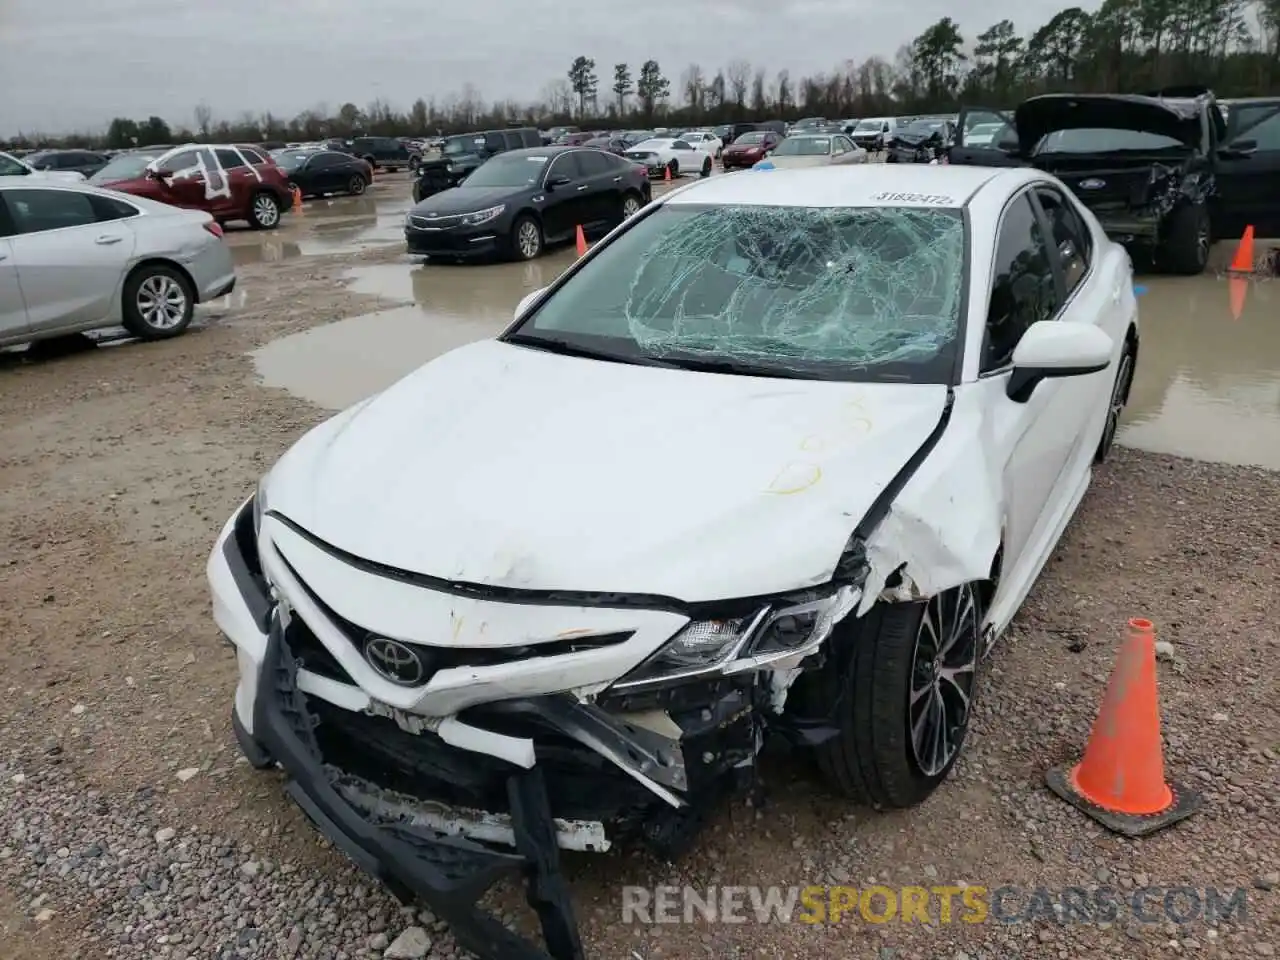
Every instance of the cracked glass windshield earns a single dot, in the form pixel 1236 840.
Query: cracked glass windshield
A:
pixel 863 293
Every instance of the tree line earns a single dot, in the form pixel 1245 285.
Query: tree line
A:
pixel 1231 46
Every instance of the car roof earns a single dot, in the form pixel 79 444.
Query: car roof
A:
pixel 547 151
pixel 869 185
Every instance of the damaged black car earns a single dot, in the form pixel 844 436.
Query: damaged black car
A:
pixel 921 141
pixel 1149 167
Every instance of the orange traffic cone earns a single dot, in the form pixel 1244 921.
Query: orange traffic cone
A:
pixel 1120 780
pixel 297 200
pixel 1243 262
pixel 582 241
pixel 666 174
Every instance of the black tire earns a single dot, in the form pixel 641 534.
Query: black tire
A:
pixel 706 168
pixel 1185 249
pixel 526 240
pixel 264 211
pixel 172 297
pixel 867 684
pixel 373 164
pixel 1119 397
pixel 630 199
pixel 356 185
pixel 674 169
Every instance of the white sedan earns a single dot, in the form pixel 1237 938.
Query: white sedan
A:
pixel 11 166
pixel 663 155
pixel 782 454
pixel 703 140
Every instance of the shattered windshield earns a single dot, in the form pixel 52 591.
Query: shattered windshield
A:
pixel 803 147
pixel 1103 140
pixel 860 293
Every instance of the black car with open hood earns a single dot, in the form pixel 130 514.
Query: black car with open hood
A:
pixel 1158 171
pixel 921 141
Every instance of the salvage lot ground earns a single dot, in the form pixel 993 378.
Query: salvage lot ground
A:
pixel 117 467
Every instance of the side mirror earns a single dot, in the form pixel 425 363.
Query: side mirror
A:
pixel 560 181
pixel 1053 348
pixel 1240 147
pixel 527 300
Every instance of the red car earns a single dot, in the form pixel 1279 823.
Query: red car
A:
pixel 749 149
pixel 230 182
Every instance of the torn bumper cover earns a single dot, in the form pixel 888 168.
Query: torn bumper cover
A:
pixel 415 862
pixel 440 806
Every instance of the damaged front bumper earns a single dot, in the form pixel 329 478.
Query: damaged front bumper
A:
pixel 439 804
pixel 448 873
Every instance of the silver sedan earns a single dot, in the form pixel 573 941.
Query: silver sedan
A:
pixel 75 257
pixel 815 150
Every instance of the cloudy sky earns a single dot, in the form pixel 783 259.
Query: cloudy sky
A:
pixel 73 64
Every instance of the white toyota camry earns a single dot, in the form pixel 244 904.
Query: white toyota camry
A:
pixel 782 456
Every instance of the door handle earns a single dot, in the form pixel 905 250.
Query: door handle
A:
pixel 617 179
pixel 583 187
pixel 107 240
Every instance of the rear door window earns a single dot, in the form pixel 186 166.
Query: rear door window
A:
pixel 594 163
pixel 1070 235
pixel 229 159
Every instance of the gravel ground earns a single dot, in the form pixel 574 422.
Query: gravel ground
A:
pixel 130 828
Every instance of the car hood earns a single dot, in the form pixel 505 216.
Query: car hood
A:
pixel 504 465
pixel 1040 116
pixel 456 200
pixel 67 176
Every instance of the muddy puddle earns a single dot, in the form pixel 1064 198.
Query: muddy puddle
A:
pixel 442 307
pixel 330 226
pixel 1207 385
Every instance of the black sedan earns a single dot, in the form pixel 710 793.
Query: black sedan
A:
pixel 84 162
pixel 520 202
pixel 317 172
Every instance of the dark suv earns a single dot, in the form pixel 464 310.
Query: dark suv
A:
pixel 385 153
pixel 462 153
pixel 1165 173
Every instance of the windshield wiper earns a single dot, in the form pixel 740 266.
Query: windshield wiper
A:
pixel 737 368
pixel 568 348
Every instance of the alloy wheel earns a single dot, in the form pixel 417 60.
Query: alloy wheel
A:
pixel 356 186
pixel 527 240
pixel 630 207
pixel 1117 399
pixel 943 671
pixel 265 210
pixel 161 302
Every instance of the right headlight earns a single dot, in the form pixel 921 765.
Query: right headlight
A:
pixel 259 505
pixel 787 627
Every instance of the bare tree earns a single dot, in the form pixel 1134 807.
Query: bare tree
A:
pixel 693 85
pixel 738 75
pixel 204 117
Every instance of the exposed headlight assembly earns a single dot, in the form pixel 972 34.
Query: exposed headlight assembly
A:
pixel 787 627
pixel 483 216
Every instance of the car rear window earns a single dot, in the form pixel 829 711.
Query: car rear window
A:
pixel 847 293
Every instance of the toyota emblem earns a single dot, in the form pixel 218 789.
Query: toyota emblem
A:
pixel 395 661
